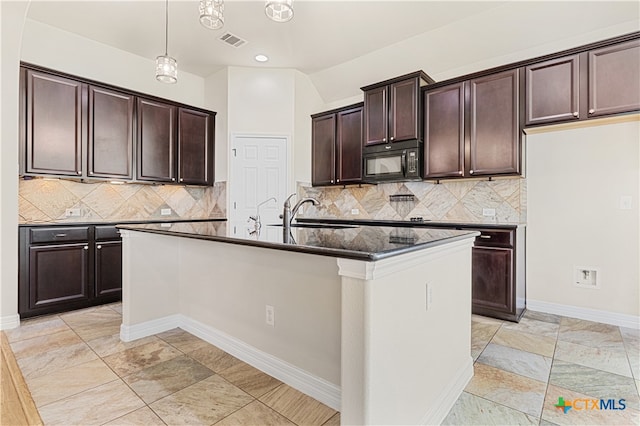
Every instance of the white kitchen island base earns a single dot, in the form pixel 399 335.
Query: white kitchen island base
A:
pixel 384 342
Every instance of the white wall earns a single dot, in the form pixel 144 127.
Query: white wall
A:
pixel 64 51
pixel 480 41
pixel 12 21
pixel 216 98
pixel 307 102
pixel 575 179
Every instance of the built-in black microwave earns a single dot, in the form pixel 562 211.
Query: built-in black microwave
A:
pixel 393 162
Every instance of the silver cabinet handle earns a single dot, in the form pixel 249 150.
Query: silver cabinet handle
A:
pixel 60 235
pixel 575 114
pixel 181 180
pixel 86 247
pixel 173 179
pixel 384 139
pixel 391 138
pixel 337 180
pixel 99 247
pixel 80 172
pixel 591 111
pixel 387 147
pixel 488 237
pixel 470 172
pixel 460 172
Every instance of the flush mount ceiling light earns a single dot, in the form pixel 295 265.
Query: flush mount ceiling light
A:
pixel 261 58
pixel 166 66
pixel 279 10
pixel 212 14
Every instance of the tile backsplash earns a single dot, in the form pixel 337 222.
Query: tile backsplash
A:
pixel 47 200
pixel 456 200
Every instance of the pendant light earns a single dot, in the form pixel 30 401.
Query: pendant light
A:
pixel 279 10
pixel 166 66
pixel 212 14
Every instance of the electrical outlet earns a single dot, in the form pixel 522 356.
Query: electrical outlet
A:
pixel 270 316
pixel 72 212
pixel 355 211
pixel 165 212
pixel 489 212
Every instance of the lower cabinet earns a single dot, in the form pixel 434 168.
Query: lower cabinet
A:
pixel 66 267
pixel 498 275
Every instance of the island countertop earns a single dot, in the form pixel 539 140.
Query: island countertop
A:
pixel 368 243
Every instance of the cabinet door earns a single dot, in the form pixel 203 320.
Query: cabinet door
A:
pixel 494 131
pixel 58 274
pixel 492 280
pixel 444 132
pixel 156 141
pixel 323 143
pixel 54 122
pixel 614 85
pixel 376 116
pixel 403 111
pixel 108 272
pixel 552 91
pixel 110 133
pixel 349 146
pixel 195 147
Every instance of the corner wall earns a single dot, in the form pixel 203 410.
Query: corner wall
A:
pixel 575 181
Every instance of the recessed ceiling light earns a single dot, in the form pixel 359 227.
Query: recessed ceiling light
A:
pixel 261 58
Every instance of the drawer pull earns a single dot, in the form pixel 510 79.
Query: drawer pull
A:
pixel 60 235
pixel 99 246
pixel 86 247
pixel 488 237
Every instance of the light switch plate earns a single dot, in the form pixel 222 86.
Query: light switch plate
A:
pixel 489 212
pixel 165 212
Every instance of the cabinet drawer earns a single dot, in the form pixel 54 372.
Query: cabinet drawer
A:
pixel 107 232
pixel 495 237
pixel 58 234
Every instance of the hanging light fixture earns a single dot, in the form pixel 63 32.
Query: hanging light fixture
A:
pixel 212 14
pixel 166 66
pixel 279 10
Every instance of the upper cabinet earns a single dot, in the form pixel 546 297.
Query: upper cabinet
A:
pixel 584 85
pixel 72 127
pixel 195 147
pixel 494 126
pixel 337 146
pixel 110 144
pixel 392 110
pixel 156 141
pixel 614 79
pixel 552 90
pixel 472 128
pixel 53 120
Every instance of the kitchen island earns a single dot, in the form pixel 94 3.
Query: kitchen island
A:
pixel 372 321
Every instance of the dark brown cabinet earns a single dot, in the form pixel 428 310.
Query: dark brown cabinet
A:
pixel 614 83
pixel 108 262
pixel 195 147
pixel 472 128
pixel 392 110
pixel 337 146
pixel 552 90
pixel 497 276
pixel 494 124
pixel 444 132
pixel 110 142
pixel 584 85
pixel 75 127
pixel 62 268
pixel 156 130
pixel 53 118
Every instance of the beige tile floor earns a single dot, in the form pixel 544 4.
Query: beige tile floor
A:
pixel 80 373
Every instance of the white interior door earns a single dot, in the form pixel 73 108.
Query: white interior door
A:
pixel 258 172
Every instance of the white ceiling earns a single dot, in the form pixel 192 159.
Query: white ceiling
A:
pixel 321 34
pixel 326 37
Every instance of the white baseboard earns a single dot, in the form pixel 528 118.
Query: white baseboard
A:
pixel 316 387
pixel 9 321
pixel 613 318
pixel 448 397
pixel 149 328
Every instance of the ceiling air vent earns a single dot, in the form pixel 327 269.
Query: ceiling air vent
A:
pixel 233 40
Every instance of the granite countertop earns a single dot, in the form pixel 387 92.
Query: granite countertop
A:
pixel 412 224
pixel 362 242
pixel 114 222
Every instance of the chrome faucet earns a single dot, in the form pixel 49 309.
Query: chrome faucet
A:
pixel 256 219
pixel 288 213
